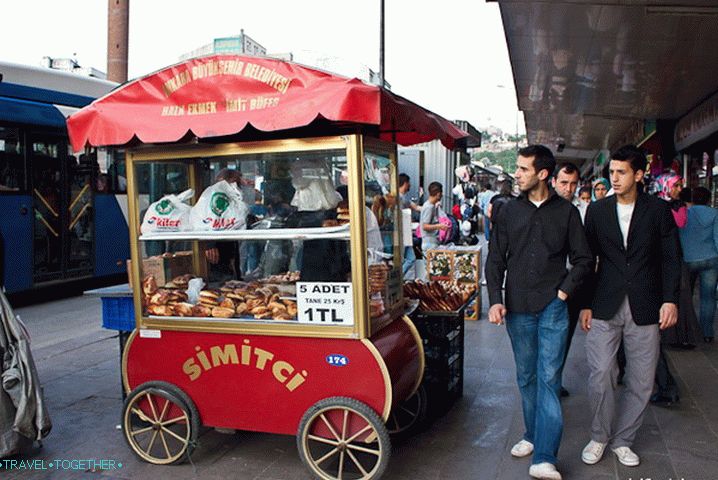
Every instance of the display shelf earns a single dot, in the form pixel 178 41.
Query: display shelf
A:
pixel 222 320
pixel 318 233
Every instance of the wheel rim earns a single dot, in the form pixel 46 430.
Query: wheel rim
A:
pixel 342 444
pixel 405 415
pixel 157 427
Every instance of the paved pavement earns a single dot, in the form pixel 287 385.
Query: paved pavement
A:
pixel 79 367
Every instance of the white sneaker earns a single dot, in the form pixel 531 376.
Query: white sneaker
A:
pixel 593 452
pixel 627 456
pixel 545 471
pixel 522 449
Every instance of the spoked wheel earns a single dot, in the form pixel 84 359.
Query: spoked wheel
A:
pixel 409 415
pixel 343 439
pixel 160 423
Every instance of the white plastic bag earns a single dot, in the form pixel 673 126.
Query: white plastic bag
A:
pixel 220 207
pixel 314 189
pixel 169 214
pixel 194 286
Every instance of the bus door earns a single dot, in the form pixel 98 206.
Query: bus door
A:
pixel 62 203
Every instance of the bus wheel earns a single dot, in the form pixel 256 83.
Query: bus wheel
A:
pixel 342 438
pixel 160 423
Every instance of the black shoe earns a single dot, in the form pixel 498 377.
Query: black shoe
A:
pixel 708 339
pixel 564 392
pixel 687 346
pixel 661 400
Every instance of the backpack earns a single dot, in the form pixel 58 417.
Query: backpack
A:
pixel 452 234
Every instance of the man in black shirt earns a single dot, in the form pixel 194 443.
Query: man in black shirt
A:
pixel 531 240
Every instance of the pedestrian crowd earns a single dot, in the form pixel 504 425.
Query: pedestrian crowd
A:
pixel 615 259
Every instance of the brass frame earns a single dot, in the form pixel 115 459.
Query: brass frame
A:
pixel 354 147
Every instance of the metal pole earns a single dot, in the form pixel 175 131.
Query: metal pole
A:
pixel 517 130
pixel 381 44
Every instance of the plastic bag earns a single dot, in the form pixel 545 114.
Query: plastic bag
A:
pixel 194 286
pixel 314 189
pixel 220 207
pixel 169 214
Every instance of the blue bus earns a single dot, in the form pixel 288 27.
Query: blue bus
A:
pixel 63 214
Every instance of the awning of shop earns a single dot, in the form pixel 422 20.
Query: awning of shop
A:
pixel 587 73
pixel 32 113
pixel 222 95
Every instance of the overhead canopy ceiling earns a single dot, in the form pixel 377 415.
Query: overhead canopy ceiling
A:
pixel 586 71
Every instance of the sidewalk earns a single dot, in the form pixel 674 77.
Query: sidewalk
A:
pixel 79 367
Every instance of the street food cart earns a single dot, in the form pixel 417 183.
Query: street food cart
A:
pixel 288 316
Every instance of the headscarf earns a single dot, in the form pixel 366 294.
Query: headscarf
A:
pixel 596 182
pixel 664 184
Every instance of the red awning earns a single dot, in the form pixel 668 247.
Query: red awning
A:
pixel 223 94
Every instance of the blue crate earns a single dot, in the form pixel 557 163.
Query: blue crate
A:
pixel 118 313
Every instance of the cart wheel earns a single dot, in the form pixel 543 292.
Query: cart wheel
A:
pixel 409 415
pixel 160 423
pixel 341 438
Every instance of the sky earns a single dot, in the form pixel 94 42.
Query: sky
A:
pixel 449 56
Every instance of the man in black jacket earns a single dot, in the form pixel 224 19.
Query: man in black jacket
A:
pixel 530 241
pixel 635 292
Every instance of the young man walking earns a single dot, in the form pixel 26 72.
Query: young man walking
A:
pixel 531 239
pixel 635 292
pixel 429 220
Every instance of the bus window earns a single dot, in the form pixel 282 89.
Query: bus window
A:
pixel 12 163
pixel 112 177
pixel 80 220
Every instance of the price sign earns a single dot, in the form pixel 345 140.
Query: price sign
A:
pixel 325 303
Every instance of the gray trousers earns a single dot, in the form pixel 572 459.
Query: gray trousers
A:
pixel 616 422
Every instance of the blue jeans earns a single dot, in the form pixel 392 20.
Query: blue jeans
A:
pixel 539 341
pixel 707 272
pixel 409 259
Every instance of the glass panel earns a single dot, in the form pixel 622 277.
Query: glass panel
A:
pixel 80 218
pixel 47 199
pixel 154 181
pixel 12 164
pixel 382 220
pixel 282 198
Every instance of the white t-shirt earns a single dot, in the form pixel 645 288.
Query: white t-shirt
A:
pixel 537 202
pixel 625 212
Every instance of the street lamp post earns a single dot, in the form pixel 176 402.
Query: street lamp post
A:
pixel 381 44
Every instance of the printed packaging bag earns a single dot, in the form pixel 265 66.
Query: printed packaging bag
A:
pixel 169 214
pixel 220 207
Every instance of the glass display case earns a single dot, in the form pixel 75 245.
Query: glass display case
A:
pixel 290 237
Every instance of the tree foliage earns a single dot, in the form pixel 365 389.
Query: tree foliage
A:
pixel 500 150
pixel 505 158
